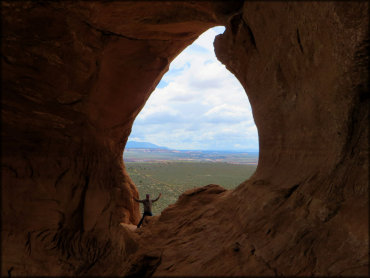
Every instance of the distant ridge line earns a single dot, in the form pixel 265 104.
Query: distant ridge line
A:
pixel 143 145
pixel 147 145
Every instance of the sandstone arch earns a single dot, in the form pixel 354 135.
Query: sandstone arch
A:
pixel 74 77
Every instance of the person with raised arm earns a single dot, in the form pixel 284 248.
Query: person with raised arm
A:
pixel 147 206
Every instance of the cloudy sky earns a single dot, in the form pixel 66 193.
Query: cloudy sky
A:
pixel 198 105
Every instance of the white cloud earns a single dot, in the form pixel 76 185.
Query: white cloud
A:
pixel 200 104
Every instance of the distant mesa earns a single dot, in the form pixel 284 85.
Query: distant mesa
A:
pixel 143 145
pixel 149 152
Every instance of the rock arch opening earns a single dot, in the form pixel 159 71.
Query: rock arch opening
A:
pixel 201 122
pixel 76 73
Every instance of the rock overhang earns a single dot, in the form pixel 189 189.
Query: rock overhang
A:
pixel 75 75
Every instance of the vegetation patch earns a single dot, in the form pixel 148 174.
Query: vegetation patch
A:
pixel 173 178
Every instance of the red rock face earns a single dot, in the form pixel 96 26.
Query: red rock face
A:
pixel 75 76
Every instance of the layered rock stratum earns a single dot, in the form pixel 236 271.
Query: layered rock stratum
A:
pixel 76 74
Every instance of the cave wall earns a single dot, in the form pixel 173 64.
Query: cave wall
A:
pixel 76 74
pixel 305 210
pixel 74 77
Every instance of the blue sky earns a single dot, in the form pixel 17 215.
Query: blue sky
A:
pixel 198 105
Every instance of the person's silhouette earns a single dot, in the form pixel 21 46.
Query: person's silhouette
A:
pixel 147 206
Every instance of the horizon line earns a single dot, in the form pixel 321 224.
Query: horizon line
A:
pixel 213 150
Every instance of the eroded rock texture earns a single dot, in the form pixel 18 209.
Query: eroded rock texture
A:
pixel 76 74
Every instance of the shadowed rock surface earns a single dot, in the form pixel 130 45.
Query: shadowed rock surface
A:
pixel 76 74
